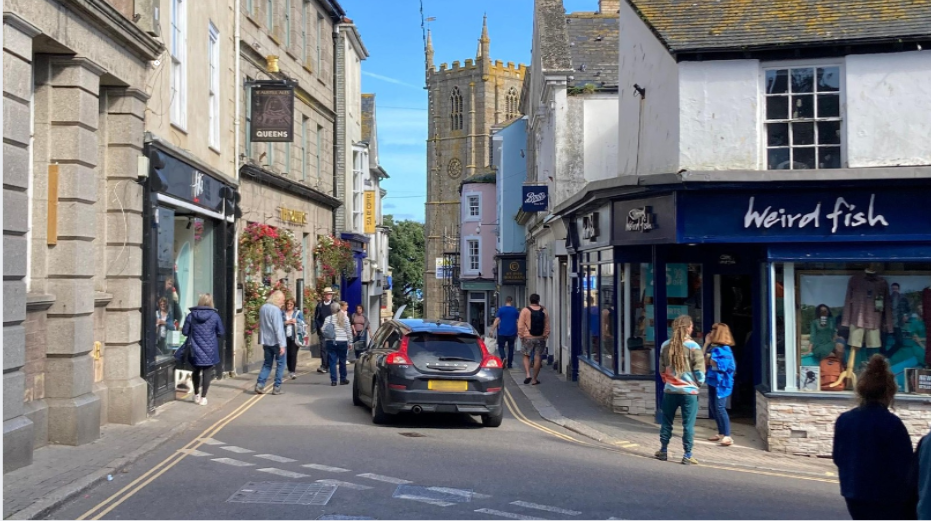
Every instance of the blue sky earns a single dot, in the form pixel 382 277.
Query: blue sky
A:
pixel 394 71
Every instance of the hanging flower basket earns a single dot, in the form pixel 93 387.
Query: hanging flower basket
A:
pixel 334 258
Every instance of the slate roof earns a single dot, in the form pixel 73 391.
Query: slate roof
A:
pixel 593 49
pixel 705 25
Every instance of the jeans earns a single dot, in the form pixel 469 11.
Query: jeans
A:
pixel 323 349
pixel 201 376
pixel 506 345
pixel 718 406
pixel 689 405
pixel 337 354
pixel 272 355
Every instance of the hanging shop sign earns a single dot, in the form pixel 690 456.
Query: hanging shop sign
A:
pixel 535 198
pixel 369 211
pixel 513 271
pixel 644 221
pixel 272 112
pixel 289 216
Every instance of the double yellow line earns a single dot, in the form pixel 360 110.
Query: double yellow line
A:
pixel 131 489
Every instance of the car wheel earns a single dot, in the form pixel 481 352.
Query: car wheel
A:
pixel 493 420
pixel 356 400
pixel 379 416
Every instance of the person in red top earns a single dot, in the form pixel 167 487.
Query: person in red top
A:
pixel 533 328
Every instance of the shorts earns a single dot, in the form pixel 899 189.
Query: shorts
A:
pixel 857 335
pixel 534 347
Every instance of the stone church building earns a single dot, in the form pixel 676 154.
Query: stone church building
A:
pixel 465 101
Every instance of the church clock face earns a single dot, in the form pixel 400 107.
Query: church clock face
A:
pixel 454 169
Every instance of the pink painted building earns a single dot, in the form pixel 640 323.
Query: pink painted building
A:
pixel 478 231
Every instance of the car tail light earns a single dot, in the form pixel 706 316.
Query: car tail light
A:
pixel 397 386
pixel 481 343
pixel 399 357
pixel 492 362
pixel 494 389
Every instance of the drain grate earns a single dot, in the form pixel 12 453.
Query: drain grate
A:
pixel 441 494
pixel 284 493
pixel 413 434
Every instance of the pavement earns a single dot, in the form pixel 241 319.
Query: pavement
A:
pixel 192 462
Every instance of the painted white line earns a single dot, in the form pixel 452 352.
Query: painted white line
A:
pixel 425 500
pixel 233 462
pixel 386 479
pixel 344 484
pixel 211 441
pixel 325 468
pixel 493 512
pixel 284 473
pixel 237 450
pixel 459 492
pixel 272 457
pixel 195 453
pixel 547 508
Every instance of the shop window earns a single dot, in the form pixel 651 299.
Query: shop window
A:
pixel 639 339
pixel 838 315
pixel 803 118
pixel 591 326
pixel 605 317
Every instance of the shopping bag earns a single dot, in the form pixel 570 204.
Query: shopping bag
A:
pixel 491 344
pixel 351 354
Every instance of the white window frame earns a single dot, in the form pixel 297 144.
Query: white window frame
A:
pixel 304 121
pixel 318 65
pixel 467 267
pixel 213 55
pixel 287 24
pixel 358 172
pixel 477 198
pixel 842 93
pixel 178 53
pixel 319 153
pixel 287 158
pixel 270 15
pixel 304 12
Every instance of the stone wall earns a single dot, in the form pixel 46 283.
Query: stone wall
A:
pixel 635 397
pixel 805 425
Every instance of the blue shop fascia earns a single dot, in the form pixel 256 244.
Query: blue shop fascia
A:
pixel 812 273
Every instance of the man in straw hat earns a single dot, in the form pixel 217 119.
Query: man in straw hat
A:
pixel 320 314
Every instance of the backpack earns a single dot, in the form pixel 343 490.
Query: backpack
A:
pixel 831 368
pixel 537 321
pixel 329 329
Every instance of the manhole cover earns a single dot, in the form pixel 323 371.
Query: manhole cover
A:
pixel 284 493
pixel 417 492
pixel 413 434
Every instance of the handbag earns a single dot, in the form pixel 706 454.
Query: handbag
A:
pixel 635 343
pixel 183 352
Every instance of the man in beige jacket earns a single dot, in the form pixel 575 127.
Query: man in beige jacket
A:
pixel 533 327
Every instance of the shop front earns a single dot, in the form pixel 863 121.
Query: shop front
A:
pixel 811 279
pixel 353 286
pixel 188 248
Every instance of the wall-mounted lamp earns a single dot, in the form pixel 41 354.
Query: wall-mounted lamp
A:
pixel 642 91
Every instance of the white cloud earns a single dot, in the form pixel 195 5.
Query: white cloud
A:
pixel 391 80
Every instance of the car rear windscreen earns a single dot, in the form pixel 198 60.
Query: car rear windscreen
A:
pixel 429 347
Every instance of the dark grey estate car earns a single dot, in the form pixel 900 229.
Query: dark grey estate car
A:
pixel 417 366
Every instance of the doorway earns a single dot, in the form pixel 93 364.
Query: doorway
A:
pixel 476 311
pixel 734 299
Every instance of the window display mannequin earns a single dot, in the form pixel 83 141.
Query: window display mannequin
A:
pixel 868 313
pixel 823 334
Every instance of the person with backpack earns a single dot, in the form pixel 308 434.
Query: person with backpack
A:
pixel 203 326
pixel 720 379
pixel 337 332
pixel 272 338
pixel 682 368
pixel 321 312
pixel 533 327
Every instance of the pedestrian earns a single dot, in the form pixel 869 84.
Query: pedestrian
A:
pixel 682 368
pixel 203 326
pixel 506 326
pixel 872 449
pixel 321 312
pixel 337 348
pixel 720 357
pixel 294 333
pixel 272 338
pixel 922 478
pixel 361 328
pixel 533 326
pixel 164 323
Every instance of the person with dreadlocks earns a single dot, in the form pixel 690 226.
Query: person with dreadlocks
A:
pixel 682 367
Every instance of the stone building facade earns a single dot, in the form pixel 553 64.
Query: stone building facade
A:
pixel 464 102
pixel 74 108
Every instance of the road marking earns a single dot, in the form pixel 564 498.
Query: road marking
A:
pixel 169 462
pixel 459 492
pixel 237 450
pixel 279 459
pixel 508 515
pixel 427 500
pixel 344 484
pixel 285 473
pixel 233 462
pixel 548 508
pixel 195 453
pixel 211 441
pixel 324 468
pixel 386 479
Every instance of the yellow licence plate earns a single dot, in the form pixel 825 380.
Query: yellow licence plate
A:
pixel 447 385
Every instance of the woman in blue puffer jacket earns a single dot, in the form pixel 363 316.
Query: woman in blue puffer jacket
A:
pixel 721 368
pixel 203 326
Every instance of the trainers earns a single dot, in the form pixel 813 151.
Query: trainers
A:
pixel 344 382
pixel 259 389
pixel 727 441
pixel 716 437
pixel 689 460
pixel 277 390
pixel 197 399
pixel 661 455
pixel 293 376
pixel 203 401
pixel 333 384
pixel 321 370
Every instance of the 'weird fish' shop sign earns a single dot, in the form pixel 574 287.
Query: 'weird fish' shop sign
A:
pixel 794 215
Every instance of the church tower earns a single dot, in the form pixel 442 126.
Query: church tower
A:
pixel 465 101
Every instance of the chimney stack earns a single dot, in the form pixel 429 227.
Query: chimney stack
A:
pixel 609 6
